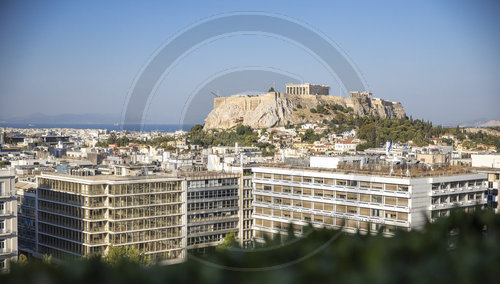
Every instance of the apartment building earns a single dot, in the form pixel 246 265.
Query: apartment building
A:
pixel 26 217
pixel 493 187
pixel 357 200
pixel 213 209
pixel 8 219
pixel 85 215
pixel 246 212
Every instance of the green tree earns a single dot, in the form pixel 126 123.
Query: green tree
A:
pixel 228 242
pixel 271 90
pixel 22 259
pixel 197 127
pixel 119 254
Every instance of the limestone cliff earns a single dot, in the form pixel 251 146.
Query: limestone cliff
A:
pixel 276 109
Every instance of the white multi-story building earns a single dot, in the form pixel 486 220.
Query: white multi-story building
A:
pixel 357 200
pixel 8 219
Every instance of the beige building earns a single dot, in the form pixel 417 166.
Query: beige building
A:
pixel 357 201
pixel 82 216
pixel 8 219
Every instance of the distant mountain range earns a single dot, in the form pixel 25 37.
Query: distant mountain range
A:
pixel 480 123
pixel 88 118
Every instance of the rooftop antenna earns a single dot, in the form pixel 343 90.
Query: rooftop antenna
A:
pixel 215 94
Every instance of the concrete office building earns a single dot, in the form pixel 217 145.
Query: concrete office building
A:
pixel 490 165
pixel 26 217
pixel 212 208
pixel 85 215
pixel 357 200
pixel 8 219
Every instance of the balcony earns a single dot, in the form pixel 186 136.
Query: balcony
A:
pixel 6 232
pixel 7 252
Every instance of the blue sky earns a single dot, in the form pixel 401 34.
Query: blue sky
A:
pixel 439 59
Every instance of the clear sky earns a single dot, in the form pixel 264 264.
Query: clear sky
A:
pixel 440 59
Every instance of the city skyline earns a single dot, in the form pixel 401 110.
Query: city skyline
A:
pixel 434 58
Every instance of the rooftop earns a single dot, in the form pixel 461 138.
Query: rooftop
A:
pixel 110 178
pixel 383 170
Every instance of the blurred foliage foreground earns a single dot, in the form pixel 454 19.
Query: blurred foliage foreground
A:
pixel 461 248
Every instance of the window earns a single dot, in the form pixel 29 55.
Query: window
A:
pixel 2 244
pixel 403 188
pixel 364 184
pixel 390 214
pixel 318 192
pixel 404 201
pixel 341 195
pixel 352 210
pixel 402 216
pixel 328 194
pixel 318 205
pixel 391 187
pixel 390 200
pixel 2 225
pixel 352 196
pixel 329 220
pixel 267 187
pixel 376 212
pixel 329 181
pixel 376 198
pixel 2 206
pixel 277 188
pixel 364 211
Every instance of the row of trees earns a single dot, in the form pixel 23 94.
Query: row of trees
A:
pixel 461 248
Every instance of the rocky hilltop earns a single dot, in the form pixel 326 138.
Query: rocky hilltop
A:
pixel 277 109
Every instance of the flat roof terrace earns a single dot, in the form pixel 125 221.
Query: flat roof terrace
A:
pixel 381 170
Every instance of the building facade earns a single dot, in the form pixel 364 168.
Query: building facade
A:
pixel 212 209
pixel 26 217
pixel 83 216
pixel 297 197
pixel 8 219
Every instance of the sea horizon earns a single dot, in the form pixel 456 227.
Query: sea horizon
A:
pixel 148 127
